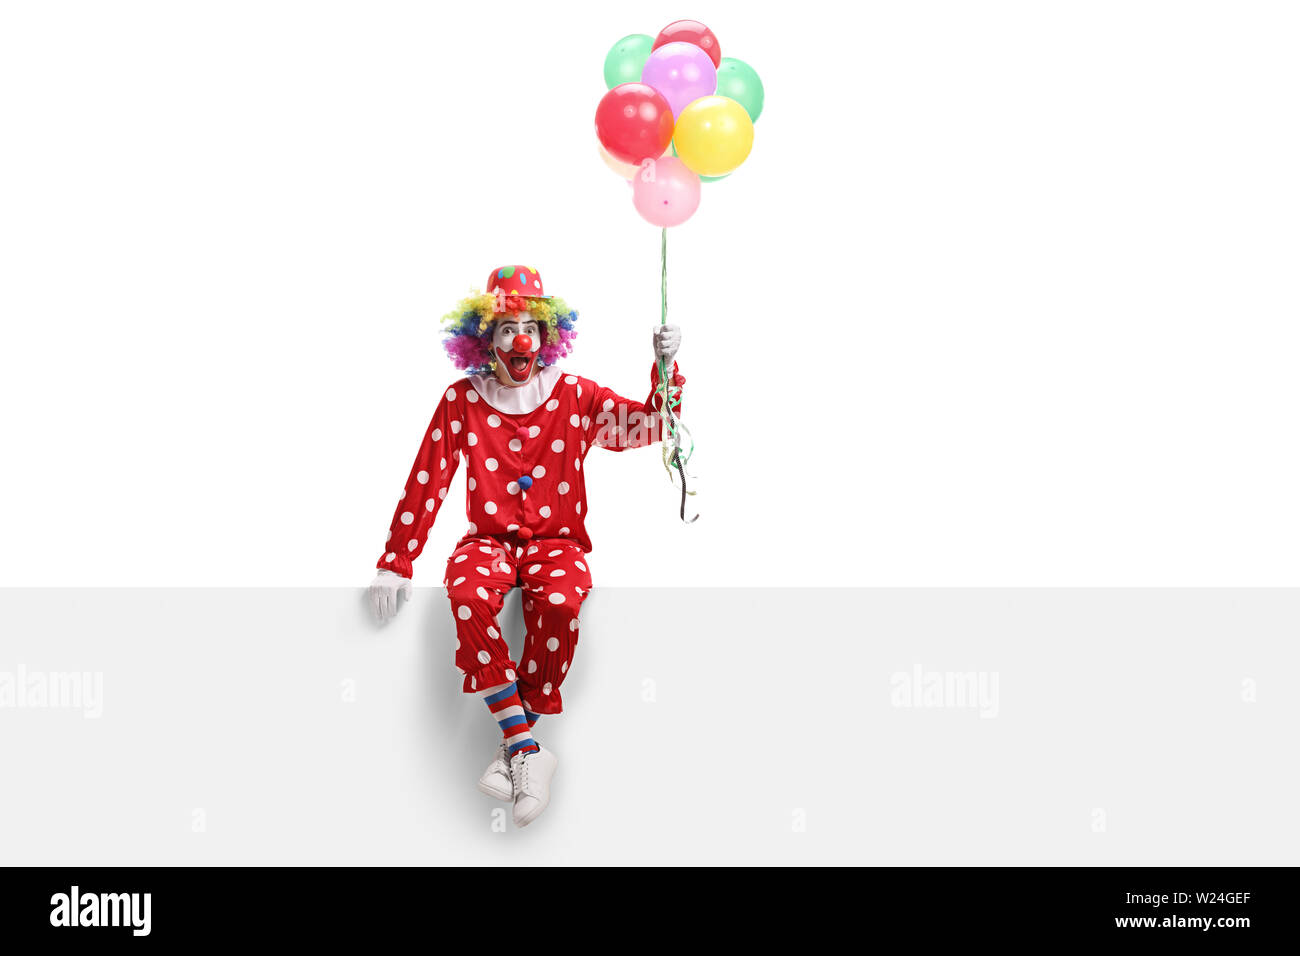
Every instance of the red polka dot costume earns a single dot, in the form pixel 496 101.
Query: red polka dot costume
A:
pixel 526 502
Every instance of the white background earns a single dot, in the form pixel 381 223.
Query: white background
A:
pixel 1004 295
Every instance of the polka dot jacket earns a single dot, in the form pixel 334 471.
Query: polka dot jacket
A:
pixel 525 472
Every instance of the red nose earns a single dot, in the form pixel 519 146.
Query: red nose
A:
pixel 523 343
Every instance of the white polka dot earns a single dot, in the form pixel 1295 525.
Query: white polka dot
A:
pixel 512 527
pixel 484 549
pixel 573 625
pixel 490 464
pixel 556 553
pixel 389 536
pixel 544 511
pixel 557 445
pixel 570 380
pixel 580 566
pixel 553 644
pixel 437 434
pixel 460 557
pixel 471 396
pixel 607 405
pixel 490 507
pixel 563 488
pixel 577 464
pixel 481 592
pixel 430 504
pixel 494 421
pixel 472 485
pixel 573 419
pixel 483 571
pixel 533 431
pixel 473 528
pixel 422 477
pixel 564 668
pixel 442 493
pixel 586 422
pixel 539 471
pixel 442 464
pixel 516 445
pixel 390 556
pixel 456 426
pixel 578 507
pixel 557 573
pixel 534 568
pixel 564 530
pixel 451 394
pixel 513 488
pixel 484 657
pixel 471 438
pixel 552 405
pixel 412 544
pixel 580 391
pixel 473 683
pixel 532 667
pixel 510 674
pixel 463 612
pixel 505 568
pixel 546 688
pixel 407 517
pixel 458 582
pixel 556 598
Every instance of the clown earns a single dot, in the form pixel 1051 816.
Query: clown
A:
pixel 523 428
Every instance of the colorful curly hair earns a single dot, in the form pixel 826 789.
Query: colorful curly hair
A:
pixel 467 329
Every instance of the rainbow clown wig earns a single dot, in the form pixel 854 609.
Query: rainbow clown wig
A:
pixel 467 329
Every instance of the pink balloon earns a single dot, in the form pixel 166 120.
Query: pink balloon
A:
pixel 681 73
pixel 665 192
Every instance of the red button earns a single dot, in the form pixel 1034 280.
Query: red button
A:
pixel 521 432
pixel 525 533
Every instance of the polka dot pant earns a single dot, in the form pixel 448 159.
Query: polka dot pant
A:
pixel 553 575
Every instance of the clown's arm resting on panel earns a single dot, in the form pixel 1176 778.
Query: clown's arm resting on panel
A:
pixel 425 491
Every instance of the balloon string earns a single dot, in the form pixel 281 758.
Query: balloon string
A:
pixel 674 427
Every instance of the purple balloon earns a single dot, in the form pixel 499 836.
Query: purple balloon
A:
pixel 682 73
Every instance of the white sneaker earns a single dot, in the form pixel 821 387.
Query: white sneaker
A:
pixel 495 781
pixel 531 773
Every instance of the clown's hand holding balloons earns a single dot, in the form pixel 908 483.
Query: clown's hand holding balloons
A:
pixel 677 114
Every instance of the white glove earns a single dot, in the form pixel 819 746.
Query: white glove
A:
pixel 667 339
pixel 383 593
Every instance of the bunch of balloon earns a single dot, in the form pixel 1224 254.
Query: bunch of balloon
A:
pixel 677 114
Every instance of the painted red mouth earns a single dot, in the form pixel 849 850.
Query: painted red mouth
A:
pixel 518 365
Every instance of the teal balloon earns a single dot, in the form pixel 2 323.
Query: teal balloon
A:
pixel 737 79
pixel 714 179
pixel 626 59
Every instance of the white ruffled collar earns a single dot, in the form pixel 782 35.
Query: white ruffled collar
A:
pixel 517 399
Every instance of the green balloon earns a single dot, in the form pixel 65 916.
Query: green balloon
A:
pixel 626 59
pixel 737 79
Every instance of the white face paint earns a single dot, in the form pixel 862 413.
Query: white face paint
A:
pixel 516 366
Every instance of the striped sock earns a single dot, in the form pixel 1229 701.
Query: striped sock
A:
pixel 532 718
pixel 503 702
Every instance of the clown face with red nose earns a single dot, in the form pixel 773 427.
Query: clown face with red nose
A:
pixel 523 428
pixel 516 344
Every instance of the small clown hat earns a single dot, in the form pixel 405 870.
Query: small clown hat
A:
pixel 516 280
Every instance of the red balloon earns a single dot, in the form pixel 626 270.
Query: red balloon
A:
pixel 691 31
pixel 634 123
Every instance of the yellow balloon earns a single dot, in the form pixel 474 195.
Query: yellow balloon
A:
pixel 713 135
